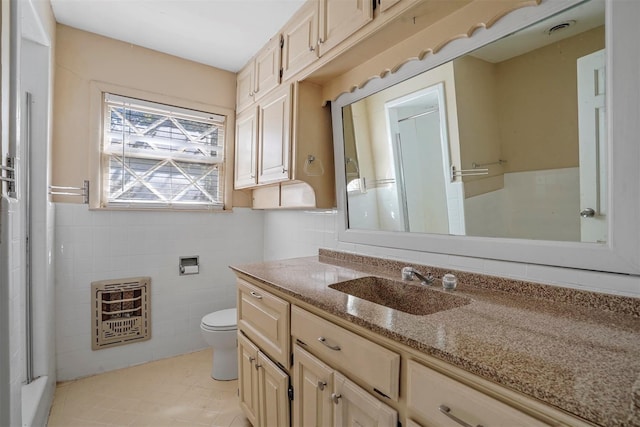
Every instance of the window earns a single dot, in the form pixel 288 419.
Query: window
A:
pixel 156 155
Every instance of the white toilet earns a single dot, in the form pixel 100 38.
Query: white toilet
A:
pixel 219 330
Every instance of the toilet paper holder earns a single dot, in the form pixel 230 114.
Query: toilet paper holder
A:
pixel 189 265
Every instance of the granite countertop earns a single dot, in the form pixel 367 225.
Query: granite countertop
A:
pixel 575 350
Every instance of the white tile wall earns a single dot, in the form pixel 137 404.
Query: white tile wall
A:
pixel 97 245
pixel 291 234
pixel 94 245
pixel 285 237
pixel 532 205
pixel 12 279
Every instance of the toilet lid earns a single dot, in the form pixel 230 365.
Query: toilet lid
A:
pixel 221 319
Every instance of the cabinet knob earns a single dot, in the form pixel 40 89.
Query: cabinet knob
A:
pixel 320 41
pixel 250 93
pixel 335 397
pixel 255 295
pixel 251 359
pixel 311 48
pixel 587 213
pixel 447 411
pixel 322 385
pixel 284 170
pixel 258 366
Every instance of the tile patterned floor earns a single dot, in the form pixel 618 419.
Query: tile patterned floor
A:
pixel 171 392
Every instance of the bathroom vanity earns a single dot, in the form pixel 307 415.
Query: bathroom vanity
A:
pixel 492 352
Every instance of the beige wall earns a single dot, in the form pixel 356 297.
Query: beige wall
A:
pixel 86 61
pixel 538 104
pixel 478 124
pixel 382 151
pixel 523 110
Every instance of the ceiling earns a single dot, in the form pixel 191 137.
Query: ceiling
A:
pixel 221 33
pixel 583 17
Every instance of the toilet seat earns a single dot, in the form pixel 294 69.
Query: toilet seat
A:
pixel 223 320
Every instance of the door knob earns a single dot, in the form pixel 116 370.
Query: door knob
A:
pixel 587 213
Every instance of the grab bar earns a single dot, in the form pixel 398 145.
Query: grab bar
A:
pixel 466 172
pixel 480 165
pixel 72 191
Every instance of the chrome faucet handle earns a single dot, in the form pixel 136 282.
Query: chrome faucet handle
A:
pixel 407 273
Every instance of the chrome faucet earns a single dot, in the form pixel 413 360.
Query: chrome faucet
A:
pixel 409 272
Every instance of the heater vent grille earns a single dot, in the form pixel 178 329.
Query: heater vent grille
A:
pixel 121 311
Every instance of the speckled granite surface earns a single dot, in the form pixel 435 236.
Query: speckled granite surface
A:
pixel 576 350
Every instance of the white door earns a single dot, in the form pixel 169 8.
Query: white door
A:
pixel 592 134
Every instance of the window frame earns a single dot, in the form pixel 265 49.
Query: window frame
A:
pixel 99 192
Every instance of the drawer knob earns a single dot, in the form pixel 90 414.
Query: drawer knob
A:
pixel 255 295
pixel 335 397
pixel 251 359
pixel 447 411
pixel 322 385
pixel 323 340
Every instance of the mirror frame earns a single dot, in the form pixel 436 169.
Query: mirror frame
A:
pixel 621 254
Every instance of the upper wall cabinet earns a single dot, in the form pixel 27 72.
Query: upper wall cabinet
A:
pixel 292 132
pixel 338 19
pixel 274 124
pixel 260 75
pixel 244 86
pixel 319 26
pixel 300 40
pixel 267 65
pixel 246 149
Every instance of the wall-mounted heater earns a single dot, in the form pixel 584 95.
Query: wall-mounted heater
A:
pixel 121 311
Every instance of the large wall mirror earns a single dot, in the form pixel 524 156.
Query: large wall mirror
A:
pixel 503 145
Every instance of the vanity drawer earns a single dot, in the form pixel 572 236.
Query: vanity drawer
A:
pixel 264 318
pixel 430 394
pixel 352 354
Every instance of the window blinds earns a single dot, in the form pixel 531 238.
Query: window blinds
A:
pixel 160 155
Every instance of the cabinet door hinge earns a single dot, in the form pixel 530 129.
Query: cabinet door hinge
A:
pixel 290 392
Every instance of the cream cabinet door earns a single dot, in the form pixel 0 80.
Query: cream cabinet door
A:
pixel 244 89
pixel 267 68
pixel 341 18
pixel 355 407
pixel 439 401
pixel 374 366
pixel 274 124
pixel 248 378
pixel 265 319
pixel 246 149
pixel 273 393
pixel 312 385
pixel 300 35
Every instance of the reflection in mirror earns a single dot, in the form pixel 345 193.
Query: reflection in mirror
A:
pixel 506 141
